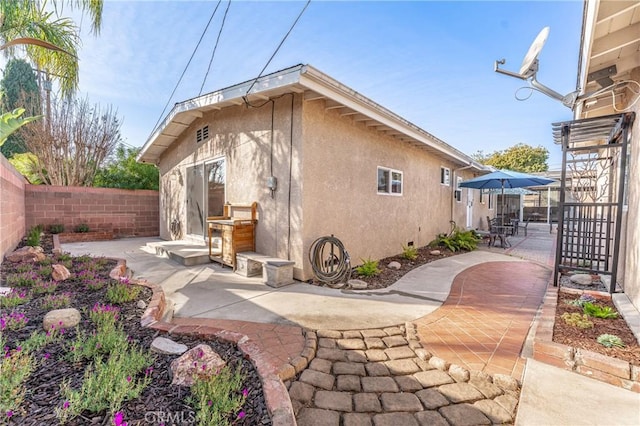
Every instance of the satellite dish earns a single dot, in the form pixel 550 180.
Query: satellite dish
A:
pixel 534 51
pixel 529 69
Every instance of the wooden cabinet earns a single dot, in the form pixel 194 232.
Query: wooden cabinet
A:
pixel 230 234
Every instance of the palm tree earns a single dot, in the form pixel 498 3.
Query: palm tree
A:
pixel 50 41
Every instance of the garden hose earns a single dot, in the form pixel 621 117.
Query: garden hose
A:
pixel 329 260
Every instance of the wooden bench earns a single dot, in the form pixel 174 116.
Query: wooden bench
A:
pixel 275 272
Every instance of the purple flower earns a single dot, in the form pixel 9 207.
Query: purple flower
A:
pixel 245 392
pixel 209 403
pixel 118 419
pixel 241 414
pixel 129 379
pixel 65 405
pixel 204 367
pixel 148 371
pixel 9 413
pixel 47 355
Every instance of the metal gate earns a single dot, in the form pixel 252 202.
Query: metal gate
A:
pixel 592 194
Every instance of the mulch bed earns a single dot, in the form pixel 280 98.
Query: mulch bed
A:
pixel 586 338
pixel 158 401
pixel 389 276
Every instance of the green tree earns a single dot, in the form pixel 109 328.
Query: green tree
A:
pixel 50 41
pixel 19 89
pixel 125 172
pixel 520 158
pixel 29 166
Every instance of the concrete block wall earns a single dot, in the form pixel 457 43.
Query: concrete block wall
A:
pixel 12 208
pixel 125 213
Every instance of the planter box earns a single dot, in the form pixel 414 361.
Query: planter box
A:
pixel 74 237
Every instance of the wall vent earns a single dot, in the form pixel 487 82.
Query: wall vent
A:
pixel 202 134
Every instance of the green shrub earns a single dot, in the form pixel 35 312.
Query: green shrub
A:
pixel 577 320
pixel 458 239
pixel 83 227
pixel 610 340
pixel 56 228
pixel 599 311
pixel 217 397
pixel 123 291
pixel 409 252
pixel 369 268
pixel 34 235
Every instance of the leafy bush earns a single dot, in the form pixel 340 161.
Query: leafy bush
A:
pixel 458 239
pixel 34 235
pixel 217 397
pixel 599 311
pixel 585 298
pixel 577 320
pixel 56 228
pixel 409 252
pixel 83 227
pixel 610 340
pixel 369 268
pixel 123 291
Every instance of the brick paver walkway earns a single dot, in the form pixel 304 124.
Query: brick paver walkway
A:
pixel 383 377
pixel 484 322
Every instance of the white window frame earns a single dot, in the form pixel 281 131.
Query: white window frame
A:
pixel 389 189
pixel 445 176
pixel 458 192
pixel 490 196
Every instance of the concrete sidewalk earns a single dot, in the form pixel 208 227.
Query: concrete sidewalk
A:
pixel 549 396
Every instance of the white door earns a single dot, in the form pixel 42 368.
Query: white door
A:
pixel 469 208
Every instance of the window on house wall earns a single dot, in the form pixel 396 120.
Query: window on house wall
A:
pixel 389 181
pixel 445 176
pixel 458 191
pixel 202 134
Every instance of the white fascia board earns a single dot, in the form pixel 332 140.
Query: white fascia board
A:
pixel 234 93
pixel 588 28
pixel 321 83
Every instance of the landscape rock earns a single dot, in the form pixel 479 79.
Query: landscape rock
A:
pixel 162 345
pixel 60 272
pixel 61 318
pixel 435 252
pixel 394 265
pixel 199 360
pixel 582 279
pixel 141 304
pixel 27 254
pixel 357 284
pixel 118 271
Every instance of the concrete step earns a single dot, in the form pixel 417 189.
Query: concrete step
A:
pixel 187 253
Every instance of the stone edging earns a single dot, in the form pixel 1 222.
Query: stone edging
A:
pixel 275 393
pixel 591 364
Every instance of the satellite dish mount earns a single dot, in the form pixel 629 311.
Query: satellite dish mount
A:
pixel 529 70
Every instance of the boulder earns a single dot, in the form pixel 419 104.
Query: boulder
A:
pixel 582 279
pixel 60 272
pixel 118 271
pixel 162 345
pixel 141 304
pixel 435 252
pixel 61 318
pixel 200 360
pixel 357 284
pixel 394 265
pixel 27 254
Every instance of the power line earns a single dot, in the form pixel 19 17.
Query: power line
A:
pixel 213 54
pixel 275 52
pixel 187 66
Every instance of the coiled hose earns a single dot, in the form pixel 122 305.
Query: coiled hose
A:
pixel 329 260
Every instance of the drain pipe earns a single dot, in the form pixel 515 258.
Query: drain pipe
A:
pixel 454 187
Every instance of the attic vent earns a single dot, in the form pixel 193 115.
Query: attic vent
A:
pixel 202 134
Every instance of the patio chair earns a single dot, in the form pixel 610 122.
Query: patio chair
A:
pixel 521 226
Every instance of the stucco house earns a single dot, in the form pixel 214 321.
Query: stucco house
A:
pixel 319 159
pixel 609 86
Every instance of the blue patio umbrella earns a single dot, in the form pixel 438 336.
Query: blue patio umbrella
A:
pixel 501 179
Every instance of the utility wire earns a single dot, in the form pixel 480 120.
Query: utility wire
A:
pixel 213 54
pixel 274 53
pixel 187 66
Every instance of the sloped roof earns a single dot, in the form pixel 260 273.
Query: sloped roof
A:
pixel 313 85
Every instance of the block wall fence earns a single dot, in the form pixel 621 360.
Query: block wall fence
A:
pixel 12 208
pixel 116 212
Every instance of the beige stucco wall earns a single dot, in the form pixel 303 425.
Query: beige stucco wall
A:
pixel 333 187
pixel 631 239
pixel 341 157
pixel 242 135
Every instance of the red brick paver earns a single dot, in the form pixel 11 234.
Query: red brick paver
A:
pixel 485 320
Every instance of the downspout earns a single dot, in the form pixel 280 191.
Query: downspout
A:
pixel 453 186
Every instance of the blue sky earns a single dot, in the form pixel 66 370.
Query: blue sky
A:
pixel 430 62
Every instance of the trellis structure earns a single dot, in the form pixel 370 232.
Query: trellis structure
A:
pixel 592 194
